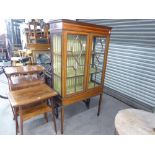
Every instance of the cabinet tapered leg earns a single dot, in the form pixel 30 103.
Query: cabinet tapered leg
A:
pixel 62 119
pixel 87 103
pixel 99 105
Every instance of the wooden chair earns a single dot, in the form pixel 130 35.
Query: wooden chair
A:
pixel 20 61
pixel 135 122
pixel 21 58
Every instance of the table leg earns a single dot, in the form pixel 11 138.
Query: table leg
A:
pixel 16 120
pixel 45 116
pixel 87 103
pixel 13 111
pixel 62 119
pixel 53 116
pixel 21 120
pixel 99 105
pixel 56 111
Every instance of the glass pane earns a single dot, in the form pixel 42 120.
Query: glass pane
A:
pixel 97 59
pixel 76 52
pixel 56 43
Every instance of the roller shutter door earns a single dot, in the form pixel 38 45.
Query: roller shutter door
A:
pixel 130 74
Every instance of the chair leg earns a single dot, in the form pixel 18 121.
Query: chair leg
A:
pixel 21 120
pixel 45 116
pixel 62 119
pixel 99 105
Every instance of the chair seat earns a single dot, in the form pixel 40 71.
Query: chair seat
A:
pixel 20 61
pixel 19 82
pixel 135 122
pixel 33 111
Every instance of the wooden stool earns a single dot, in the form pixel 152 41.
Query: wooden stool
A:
pixel 135 122
pixel 29 96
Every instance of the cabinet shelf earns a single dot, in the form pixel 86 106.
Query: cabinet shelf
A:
pixel 71 90
pixel 56 53
pixel 96 53
pixel 68 54
pixel 80 72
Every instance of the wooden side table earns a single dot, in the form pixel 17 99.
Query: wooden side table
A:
pixel 135 122
pixel 23 77
pixel 28 96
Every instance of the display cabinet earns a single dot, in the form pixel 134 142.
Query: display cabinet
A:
pixel 79 57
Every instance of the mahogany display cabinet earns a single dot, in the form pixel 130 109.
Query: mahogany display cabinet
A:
pixel 79 56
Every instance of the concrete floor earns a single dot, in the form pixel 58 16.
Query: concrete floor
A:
pixel 78 119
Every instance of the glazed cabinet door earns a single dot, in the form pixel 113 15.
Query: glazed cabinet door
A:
pixel 76 57
pixel 56 60
pixel 97 60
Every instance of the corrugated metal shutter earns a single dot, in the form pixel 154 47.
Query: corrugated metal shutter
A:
pixel 130 74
